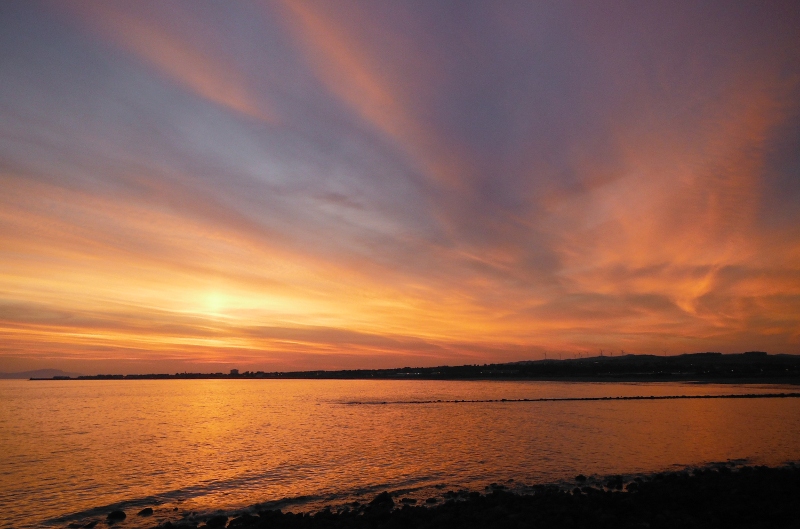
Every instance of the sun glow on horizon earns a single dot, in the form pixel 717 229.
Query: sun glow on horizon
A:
pixel 296 185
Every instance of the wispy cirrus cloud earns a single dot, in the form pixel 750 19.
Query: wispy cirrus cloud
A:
pixel 299 185
pixel 181 48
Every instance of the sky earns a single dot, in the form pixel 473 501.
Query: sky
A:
pixel 281 185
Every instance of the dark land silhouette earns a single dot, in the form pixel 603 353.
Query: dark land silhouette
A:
pixel 711 367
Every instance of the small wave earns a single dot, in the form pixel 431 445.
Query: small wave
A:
pixel 182 494
pixel 202 489
pixel 407 486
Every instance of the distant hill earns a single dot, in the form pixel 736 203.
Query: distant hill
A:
pixel 752 367
pixel 38 373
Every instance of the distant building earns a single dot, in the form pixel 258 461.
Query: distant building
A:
pixel 234 372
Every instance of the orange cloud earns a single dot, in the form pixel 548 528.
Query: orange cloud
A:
pixel 682 216
pixel 633 221
pixel 85 271
pixel 206 71
pixel 346 66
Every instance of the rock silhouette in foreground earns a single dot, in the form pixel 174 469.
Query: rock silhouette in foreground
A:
pixel 217 521
pixel 714 497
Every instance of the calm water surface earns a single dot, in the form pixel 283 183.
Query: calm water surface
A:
pixel 71 450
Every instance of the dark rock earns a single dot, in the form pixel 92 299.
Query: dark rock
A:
pixel 580 478
pixel 216 521
pixel 381 506
pixel 270 514
pixel 116 516
pixel 90 524
pixel 243 520
pixel 183 524
pixel 408 501
pixel 75 525
pixel 383 499
pixel 761 497
pixel 147 511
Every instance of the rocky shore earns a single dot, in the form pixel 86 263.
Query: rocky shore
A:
pixel 716 496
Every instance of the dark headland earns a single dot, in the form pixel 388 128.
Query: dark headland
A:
pixel 703 367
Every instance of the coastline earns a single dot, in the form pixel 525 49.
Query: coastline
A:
pixel 743 368
pixel 718 495
pixel 789 381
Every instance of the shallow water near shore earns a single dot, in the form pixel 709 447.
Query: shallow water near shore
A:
pixel 75 450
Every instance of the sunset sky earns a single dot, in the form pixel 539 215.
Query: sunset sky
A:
pixel 337 184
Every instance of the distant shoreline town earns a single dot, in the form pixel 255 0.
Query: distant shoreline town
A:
pixel 708 367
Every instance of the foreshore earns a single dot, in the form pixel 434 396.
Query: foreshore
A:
pixel 720 495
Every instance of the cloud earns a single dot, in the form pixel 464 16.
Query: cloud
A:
pixel 302 184
pixel 188 53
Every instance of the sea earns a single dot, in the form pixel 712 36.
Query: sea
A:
pixel 72 451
